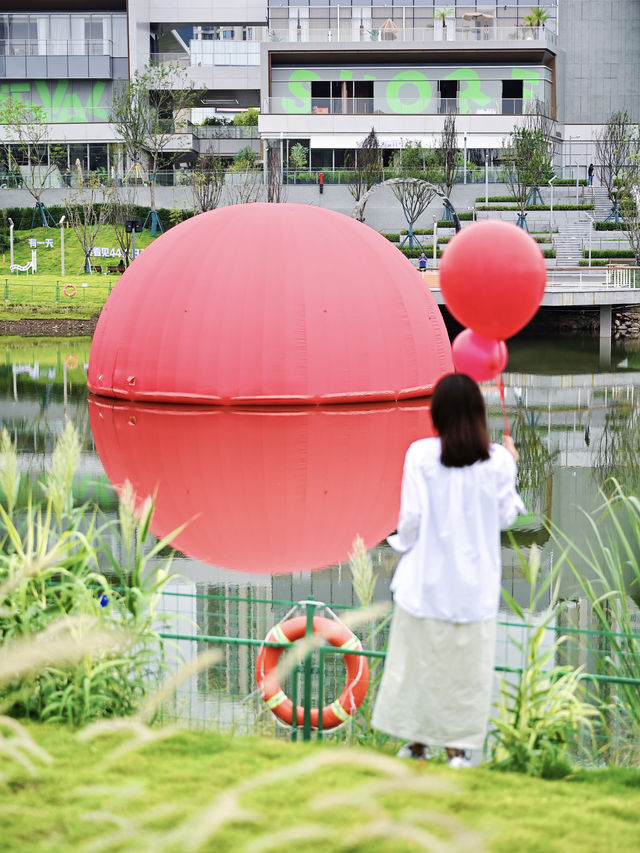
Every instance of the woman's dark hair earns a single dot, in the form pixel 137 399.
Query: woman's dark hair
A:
pixel 460 417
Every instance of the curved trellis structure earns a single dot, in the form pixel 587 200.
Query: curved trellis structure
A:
pixel 358 210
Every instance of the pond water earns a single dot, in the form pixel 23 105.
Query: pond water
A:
pixel 272 500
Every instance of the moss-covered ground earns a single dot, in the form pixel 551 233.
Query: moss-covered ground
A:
pixel 197 791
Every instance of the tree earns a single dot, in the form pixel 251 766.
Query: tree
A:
pixel 207 182
pixel 298 157
pixel 535 19
pixel 275 189
pixel 528 155
pixel 27 151
pixel 415 195
pixel 121 206
pixel 617 151
pixel 248 118
pixel 447 156
pixel 146 112
pixel 630 207
pixel 244 159
pixel 368 168
pixel 244 186
pixel 85 216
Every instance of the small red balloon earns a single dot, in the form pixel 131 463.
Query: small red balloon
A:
pixel 480 358
pixel 492 278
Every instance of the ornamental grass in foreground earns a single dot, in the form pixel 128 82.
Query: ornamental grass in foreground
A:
pixel 210 792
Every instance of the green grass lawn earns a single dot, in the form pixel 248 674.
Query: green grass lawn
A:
pixel 196 791
pixel 85 293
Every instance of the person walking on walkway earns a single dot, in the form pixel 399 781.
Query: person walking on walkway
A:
pixel 590 174
pixel 458 492
pixel 422 262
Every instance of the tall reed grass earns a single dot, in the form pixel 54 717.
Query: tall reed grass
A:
pixel 66 567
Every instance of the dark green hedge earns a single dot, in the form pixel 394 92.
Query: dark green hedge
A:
pixel 608 253
pixel 22 216
pixel 535 207
pixel 610 226
pixel 595 262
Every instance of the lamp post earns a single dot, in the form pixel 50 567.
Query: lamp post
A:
pixel 61 223
pixel 131 226
pixel 10 238
pixel 551 180
pixel 465 158
pixel 486 176
pixel 435 241
pixel 591 220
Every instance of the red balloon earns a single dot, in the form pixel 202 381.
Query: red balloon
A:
pixel 480 358
pixel 269 304
pixel 492 278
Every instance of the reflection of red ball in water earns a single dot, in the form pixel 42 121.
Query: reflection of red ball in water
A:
pixel 492 276
pixel 267 304
pixel 480 358
pixel 262 490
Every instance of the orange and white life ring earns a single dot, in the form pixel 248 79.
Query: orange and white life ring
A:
pixel 71 361
pixel 70 289
pixel 337 635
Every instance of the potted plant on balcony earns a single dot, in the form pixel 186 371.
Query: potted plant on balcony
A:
pixel 536 19
pixel 442 14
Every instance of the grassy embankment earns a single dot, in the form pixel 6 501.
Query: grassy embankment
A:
pixel 250 794
pixel 42 294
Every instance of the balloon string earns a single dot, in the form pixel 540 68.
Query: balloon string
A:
pixel 500 384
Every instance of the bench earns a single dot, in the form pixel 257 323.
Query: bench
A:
pixel 116 268
pixel 96 269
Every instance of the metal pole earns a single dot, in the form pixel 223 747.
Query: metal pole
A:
pixel 486 176
pixel 550 182
pixel 11 238
pixel 577 181
pixel 61 223
pixel 435 242
pixel 308 671
pixel 465 158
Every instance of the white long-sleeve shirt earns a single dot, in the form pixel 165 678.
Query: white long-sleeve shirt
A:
pixel 449 533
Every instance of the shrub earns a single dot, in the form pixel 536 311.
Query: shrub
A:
pixel 608 253
pixel 535 207
pixel 538 714
pixel 56 564
pixel 610 226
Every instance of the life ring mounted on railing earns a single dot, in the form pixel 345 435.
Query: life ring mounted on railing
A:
pixel 71 361
pixel 338 635
pixel 70 289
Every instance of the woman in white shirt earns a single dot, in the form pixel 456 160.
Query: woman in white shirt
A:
pixel 458 492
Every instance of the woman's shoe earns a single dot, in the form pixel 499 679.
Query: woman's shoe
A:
pixel 461 761
pixel 413 750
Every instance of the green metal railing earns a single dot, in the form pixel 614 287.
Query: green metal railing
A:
pixel 318 673
pixel 26 288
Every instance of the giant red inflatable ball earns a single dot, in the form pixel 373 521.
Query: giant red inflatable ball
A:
pixel 267 304
pixel 492 277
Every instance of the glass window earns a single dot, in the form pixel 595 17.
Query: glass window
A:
pixel 119 35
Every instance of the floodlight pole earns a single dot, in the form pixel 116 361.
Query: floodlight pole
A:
pixel 61 223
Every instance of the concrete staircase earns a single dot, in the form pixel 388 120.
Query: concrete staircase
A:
pixel 569 242
pixel 600 198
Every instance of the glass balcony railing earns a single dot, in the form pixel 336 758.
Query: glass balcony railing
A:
pixel 56 47
pixel 210 53
pixel 402 106
pixel 351 31
pixel 224 132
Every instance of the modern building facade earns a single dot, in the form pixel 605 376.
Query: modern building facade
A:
pixel 324 72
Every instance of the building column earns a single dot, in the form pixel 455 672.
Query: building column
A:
pixel 605 321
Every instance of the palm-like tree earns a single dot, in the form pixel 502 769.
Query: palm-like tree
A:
pixel 536 18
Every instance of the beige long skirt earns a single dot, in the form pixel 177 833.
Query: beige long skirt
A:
pixel 436 686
